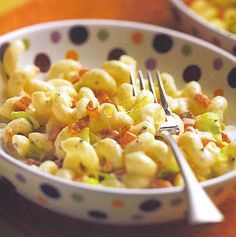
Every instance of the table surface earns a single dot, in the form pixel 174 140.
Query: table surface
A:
pixel 21 218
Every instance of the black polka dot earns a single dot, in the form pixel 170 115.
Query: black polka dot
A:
pixel 50 191
pixel 3 49
pixel 78 34
pixel 192 73
pixel 97 214
pixel 7 184
pixel 115 53
pixel 232 78
pixel 162 43
pixel 150 205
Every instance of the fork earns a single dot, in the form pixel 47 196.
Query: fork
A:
pixel 201 209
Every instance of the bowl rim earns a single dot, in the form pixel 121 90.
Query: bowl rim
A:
pixel 120 24
pixel 203 22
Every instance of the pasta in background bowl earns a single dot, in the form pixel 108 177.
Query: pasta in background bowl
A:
pixel 193 23
pixel 78 104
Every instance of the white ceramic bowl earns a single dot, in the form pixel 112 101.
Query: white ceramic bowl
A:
pixel 192 23
pixel 183 56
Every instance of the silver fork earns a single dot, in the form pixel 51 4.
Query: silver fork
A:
pixel 201 209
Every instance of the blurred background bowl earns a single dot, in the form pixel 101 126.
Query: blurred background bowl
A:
pixel 191 23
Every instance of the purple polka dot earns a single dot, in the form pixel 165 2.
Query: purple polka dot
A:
pixel 162 43
pixel 151 64
pixel 216 42
pixel 55 37
pixel 192 73
pixel 78 34
pixel 3 49
pixel 97 214
pixel 115 53
pixel 21 178
pixel 42 61
pixel 234 50
pixel 218 64
pixel 50 191
pixel 232 78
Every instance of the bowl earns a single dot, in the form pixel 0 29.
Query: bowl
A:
pixel 190 22
pixel 94 41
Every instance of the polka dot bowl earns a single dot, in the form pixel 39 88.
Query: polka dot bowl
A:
pixel 92 42
pixel 191 23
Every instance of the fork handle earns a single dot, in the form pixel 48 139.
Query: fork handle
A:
pixel 201 209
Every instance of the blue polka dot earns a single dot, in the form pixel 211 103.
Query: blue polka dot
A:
pixel 50 191
pixel 78 34
pixel 162 43
pixel 232 78
pixel 150 205
pixel 97 214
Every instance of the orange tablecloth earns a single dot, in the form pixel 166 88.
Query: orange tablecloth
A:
pixel 39 222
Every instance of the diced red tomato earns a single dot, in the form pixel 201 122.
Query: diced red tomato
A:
pixel 202 99
pixel 160 183
pixel 188 2
pixel 79 125
pixel 102 97
pixel 22 103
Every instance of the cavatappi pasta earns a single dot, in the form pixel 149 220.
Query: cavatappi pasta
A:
pixel 85 125
pixel 221 13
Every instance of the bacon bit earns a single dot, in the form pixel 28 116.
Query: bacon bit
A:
pixel 8 136
pixel 92 111
pixel 33 162
pixel 22 104
pixel 125 138
pixel 205 141
pixel 160 183
pixel 225 137
pixel 106 167
pixel 202 99
pixel 110 133
pixel 102 97
pixel 81 72
pixel 53 134
pixel 188 122
pixel 79 125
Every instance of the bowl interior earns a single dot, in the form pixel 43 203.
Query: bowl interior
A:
pixel 94 41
